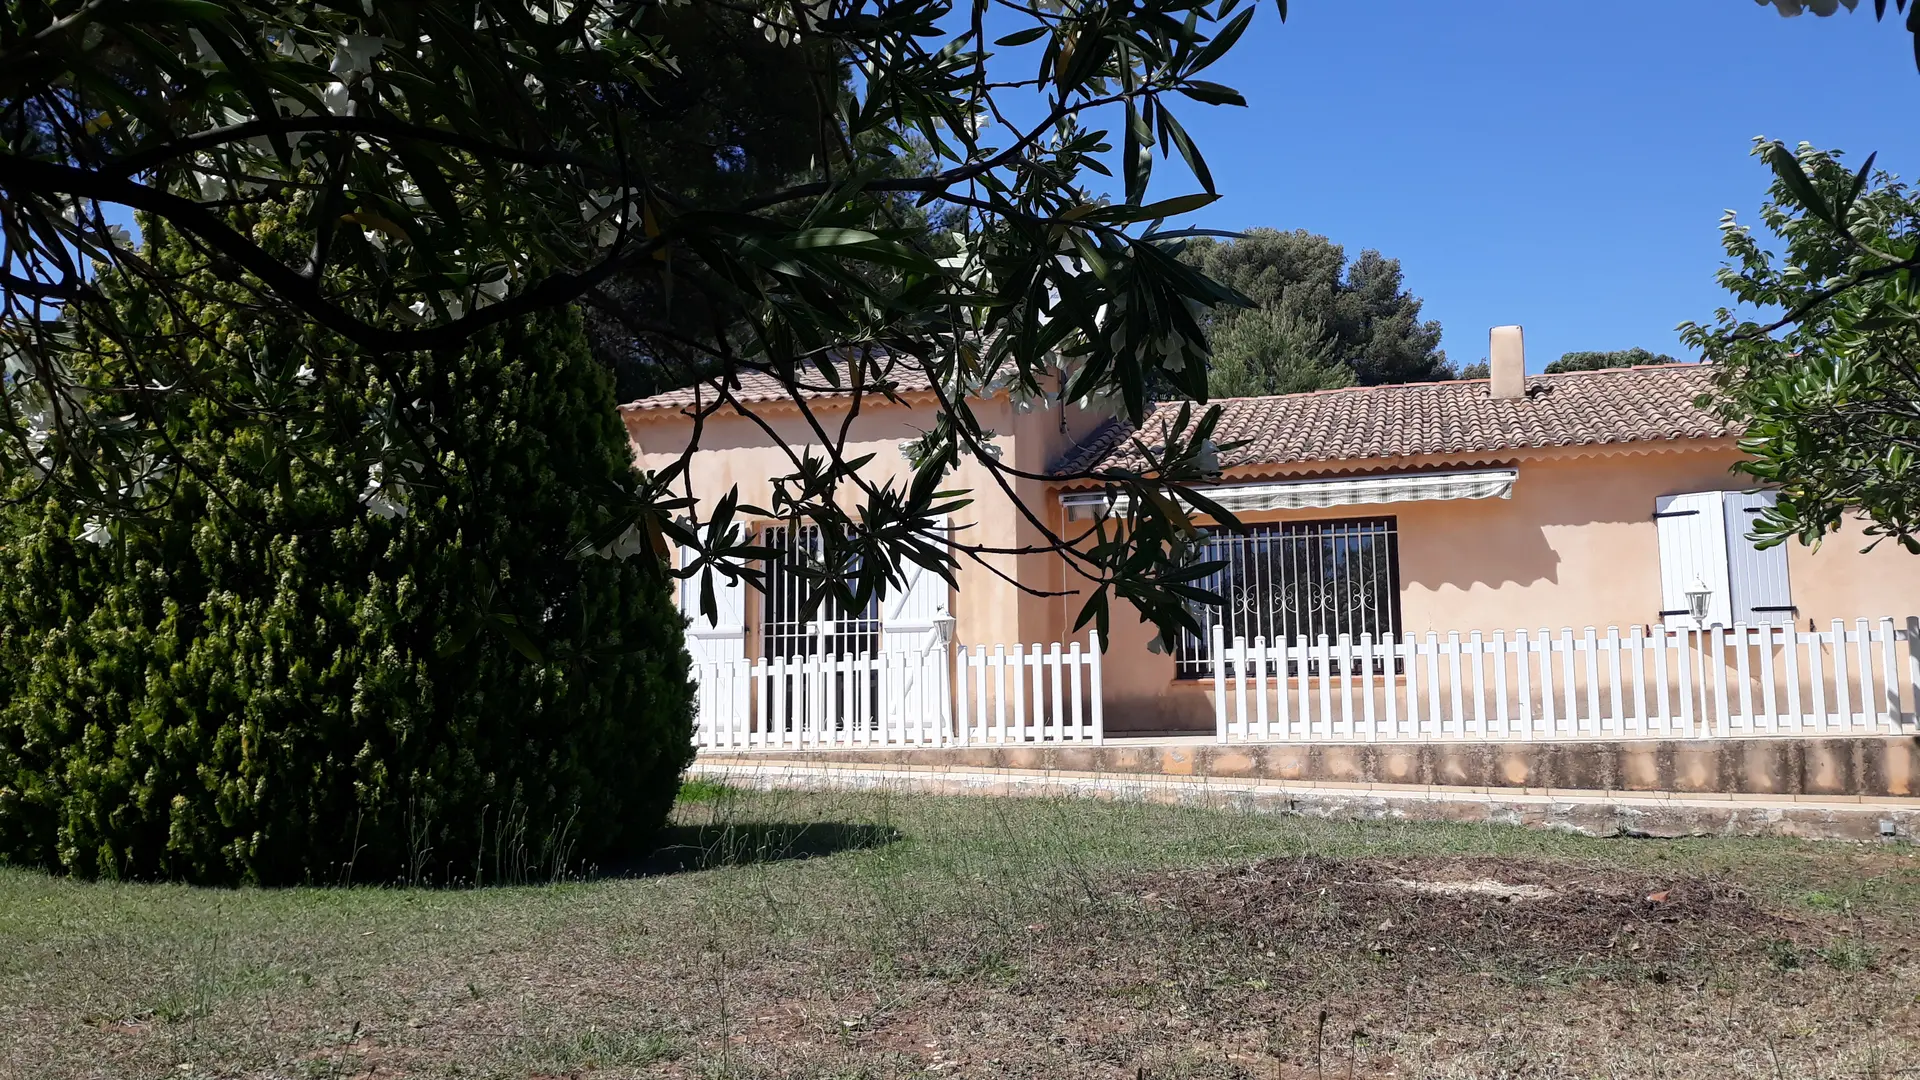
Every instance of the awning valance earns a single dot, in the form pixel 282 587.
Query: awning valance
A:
pixel 1332 491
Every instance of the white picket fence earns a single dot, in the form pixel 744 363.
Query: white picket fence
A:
pixel 1018 694
pixel 1029 695
pixel 1657 683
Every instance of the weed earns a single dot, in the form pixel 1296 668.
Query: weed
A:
pixel 1826 901
pixel 1848 954
pixel 700 790
pixel 1783 955
pixel 600 1048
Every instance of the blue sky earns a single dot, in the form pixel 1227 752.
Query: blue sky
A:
pixel 1559 165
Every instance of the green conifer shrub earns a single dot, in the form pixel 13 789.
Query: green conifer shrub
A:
pixel 299 668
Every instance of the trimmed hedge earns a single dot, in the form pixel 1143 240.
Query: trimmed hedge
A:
pixel 267 683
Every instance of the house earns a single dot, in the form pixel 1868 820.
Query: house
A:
pixel 1460 510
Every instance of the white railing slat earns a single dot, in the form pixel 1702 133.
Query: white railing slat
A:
pixel 1074 665
pixel 1816 643
pixel 1842 699
pixel 1862 637
pixel 1719 660
pixel 1430 648
pixel 1889 678
pixel 1454 689
pixel 1479 669
pixel 1769 702
pixel 1219 683
pixel 1615 718
pixel 1523 680
pixel 1094 688
pixel 1787 648
pixel 1366 687
pixel 1352 682
pixel 1912 712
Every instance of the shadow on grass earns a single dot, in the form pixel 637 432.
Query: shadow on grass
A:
pixel 679 849
pixel 685 848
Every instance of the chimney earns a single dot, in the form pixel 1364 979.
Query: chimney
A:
pixel 1507 356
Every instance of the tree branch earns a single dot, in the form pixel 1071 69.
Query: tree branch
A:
pixel 45 178
pixel 149 157
pixel 1802 309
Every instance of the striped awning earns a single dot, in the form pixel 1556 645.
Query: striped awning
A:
pixel 1333 491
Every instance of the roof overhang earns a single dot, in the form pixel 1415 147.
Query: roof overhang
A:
pixel 1322 492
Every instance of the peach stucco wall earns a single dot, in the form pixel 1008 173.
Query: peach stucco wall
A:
pixel 1574 546
pixel 735 452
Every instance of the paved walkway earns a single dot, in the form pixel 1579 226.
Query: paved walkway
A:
pixel 1597 813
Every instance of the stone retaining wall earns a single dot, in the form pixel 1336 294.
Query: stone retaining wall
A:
pixel 1875 767
pixel 1854 818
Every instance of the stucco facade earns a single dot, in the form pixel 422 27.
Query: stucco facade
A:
pixel 1574 545
pixel 737 453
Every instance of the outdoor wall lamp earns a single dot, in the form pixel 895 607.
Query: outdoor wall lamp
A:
pixel 1698 597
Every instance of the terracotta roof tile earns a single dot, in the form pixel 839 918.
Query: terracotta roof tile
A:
pixel 759 386
pixel 1619 405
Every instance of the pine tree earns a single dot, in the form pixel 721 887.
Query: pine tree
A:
pixel 1272 350
pixel 308 663
pixel 1371 321
pixel 1600 361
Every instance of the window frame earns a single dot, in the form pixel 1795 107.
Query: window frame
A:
pixel 1192 655
pixel 786 594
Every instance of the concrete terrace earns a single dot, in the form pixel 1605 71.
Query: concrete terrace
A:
pixel 1858 789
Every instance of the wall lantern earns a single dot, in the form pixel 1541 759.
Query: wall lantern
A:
pixel 1698 597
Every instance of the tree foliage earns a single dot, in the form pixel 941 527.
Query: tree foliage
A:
pixel 738 116
pixel 312 663
pixel 1823 8
pixel 1615 358
pixel 1365 325
pixel 460 165
pixel 1274 350
pixel 1829 391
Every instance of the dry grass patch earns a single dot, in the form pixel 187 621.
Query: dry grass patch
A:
pixel 880 935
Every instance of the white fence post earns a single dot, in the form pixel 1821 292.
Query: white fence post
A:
pixel 962 719
pixel 1913 669
pixel 1095 699
pixel 1220 681
pixel 1890 672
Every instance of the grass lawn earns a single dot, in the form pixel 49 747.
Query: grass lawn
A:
pixel 868 934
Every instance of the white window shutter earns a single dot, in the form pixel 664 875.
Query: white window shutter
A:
pixel 907 616
pixel 719 650
pixel 1693 548
pixel 689 587
pixel 729 610
pixel 1760 591
pixel 909 624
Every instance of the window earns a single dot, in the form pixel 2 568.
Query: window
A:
pixel 790 630
pixel 1300 579
pixel 787 628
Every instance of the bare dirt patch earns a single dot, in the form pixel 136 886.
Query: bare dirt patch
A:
pixel 1484 912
